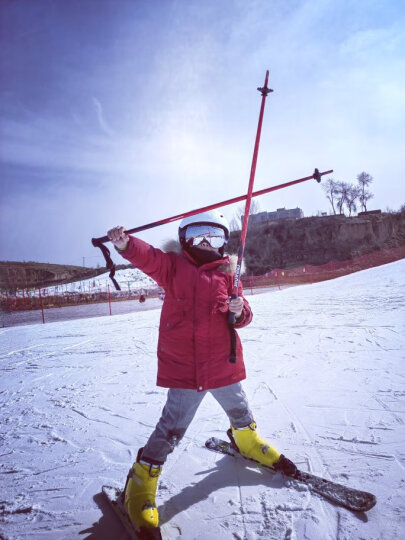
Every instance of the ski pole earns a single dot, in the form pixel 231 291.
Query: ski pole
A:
pixel 99 242
pixel 315 176
pixel 231 316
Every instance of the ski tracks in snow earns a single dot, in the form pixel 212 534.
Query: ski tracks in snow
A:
pixel 291 437
pixel 325 383
pixel 57 432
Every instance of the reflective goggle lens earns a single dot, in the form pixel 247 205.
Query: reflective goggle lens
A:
pixel 196 234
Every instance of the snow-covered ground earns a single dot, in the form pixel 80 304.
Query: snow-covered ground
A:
pixel 326 377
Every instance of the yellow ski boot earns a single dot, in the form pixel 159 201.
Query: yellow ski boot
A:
pixel 140 494
pixel 248 442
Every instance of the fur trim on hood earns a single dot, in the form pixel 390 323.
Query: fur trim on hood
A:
pixel 173 246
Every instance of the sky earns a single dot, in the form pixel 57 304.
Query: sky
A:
pixel 124 112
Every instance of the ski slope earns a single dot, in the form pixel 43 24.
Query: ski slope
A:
pixel 129 279
pixel 326 375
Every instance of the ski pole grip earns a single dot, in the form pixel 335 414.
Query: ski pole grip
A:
pixel 231 316
pixel 97 241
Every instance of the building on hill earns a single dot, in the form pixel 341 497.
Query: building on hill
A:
pixel 280 213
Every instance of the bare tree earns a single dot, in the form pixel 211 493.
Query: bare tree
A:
pixel 330 188
pixel 342 190
pixel 364 180
pixel 352 195
pixel 254 207
pixel 236 223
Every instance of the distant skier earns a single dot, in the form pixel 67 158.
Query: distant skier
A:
pixel 193 351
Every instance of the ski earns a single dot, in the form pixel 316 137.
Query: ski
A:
pixel 352 499
pixel 115 500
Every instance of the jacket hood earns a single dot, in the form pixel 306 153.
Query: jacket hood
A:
pixel 173 246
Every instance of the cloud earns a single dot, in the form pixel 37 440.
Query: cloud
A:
pixel 154 111
pixel 371 44
pixel 101 120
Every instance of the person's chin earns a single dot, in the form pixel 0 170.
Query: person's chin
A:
pixel 203 255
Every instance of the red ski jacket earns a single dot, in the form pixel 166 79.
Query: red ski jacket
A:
pixel 194 337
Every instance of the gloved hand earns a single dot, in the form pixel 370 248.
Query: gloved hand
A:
pixel 236 306
pixel 118 237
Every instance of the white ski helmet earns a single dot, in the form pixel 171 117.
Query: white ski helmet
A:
pixel 212 217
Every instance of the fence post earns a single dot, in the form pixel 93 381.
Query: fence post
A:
pixel 109 297
pixel 40 303
pixel 308 274
pixel 278 280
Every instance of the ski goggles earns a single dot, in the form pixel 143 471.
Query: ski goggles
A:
pixel 214 236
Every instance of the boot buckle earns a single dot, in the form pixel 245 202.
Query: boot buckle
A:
pixel 155 474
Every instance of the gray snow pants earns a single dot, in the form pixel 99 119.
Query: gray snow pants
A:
pixel 180 408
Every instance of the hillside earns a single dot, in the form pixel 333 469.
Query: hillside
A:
pixel 287 243
pixel 32 274
pixel 291 243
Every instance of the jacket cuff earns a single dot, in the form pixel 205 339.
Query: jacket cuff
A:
pixel 241 319
pixel 121 250
pixel 124 251
pixel 245 318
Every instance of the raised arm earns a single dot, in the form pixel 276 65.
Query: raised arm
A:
pixel 154 262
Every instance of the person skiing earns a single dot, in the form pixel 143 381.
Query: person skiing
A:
pixel 193 351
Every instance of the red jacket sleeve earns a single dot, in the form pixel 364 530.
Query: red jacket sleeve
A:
pixel 152 261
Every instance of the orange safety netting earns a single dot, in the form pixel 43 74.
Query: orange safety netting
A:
pixel 310 274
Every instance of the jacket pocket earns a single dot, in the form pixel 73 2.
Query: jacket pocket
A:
pixel 175 311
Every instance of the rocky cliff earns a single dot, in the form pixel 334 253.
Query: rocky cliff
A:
pixel 318 240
